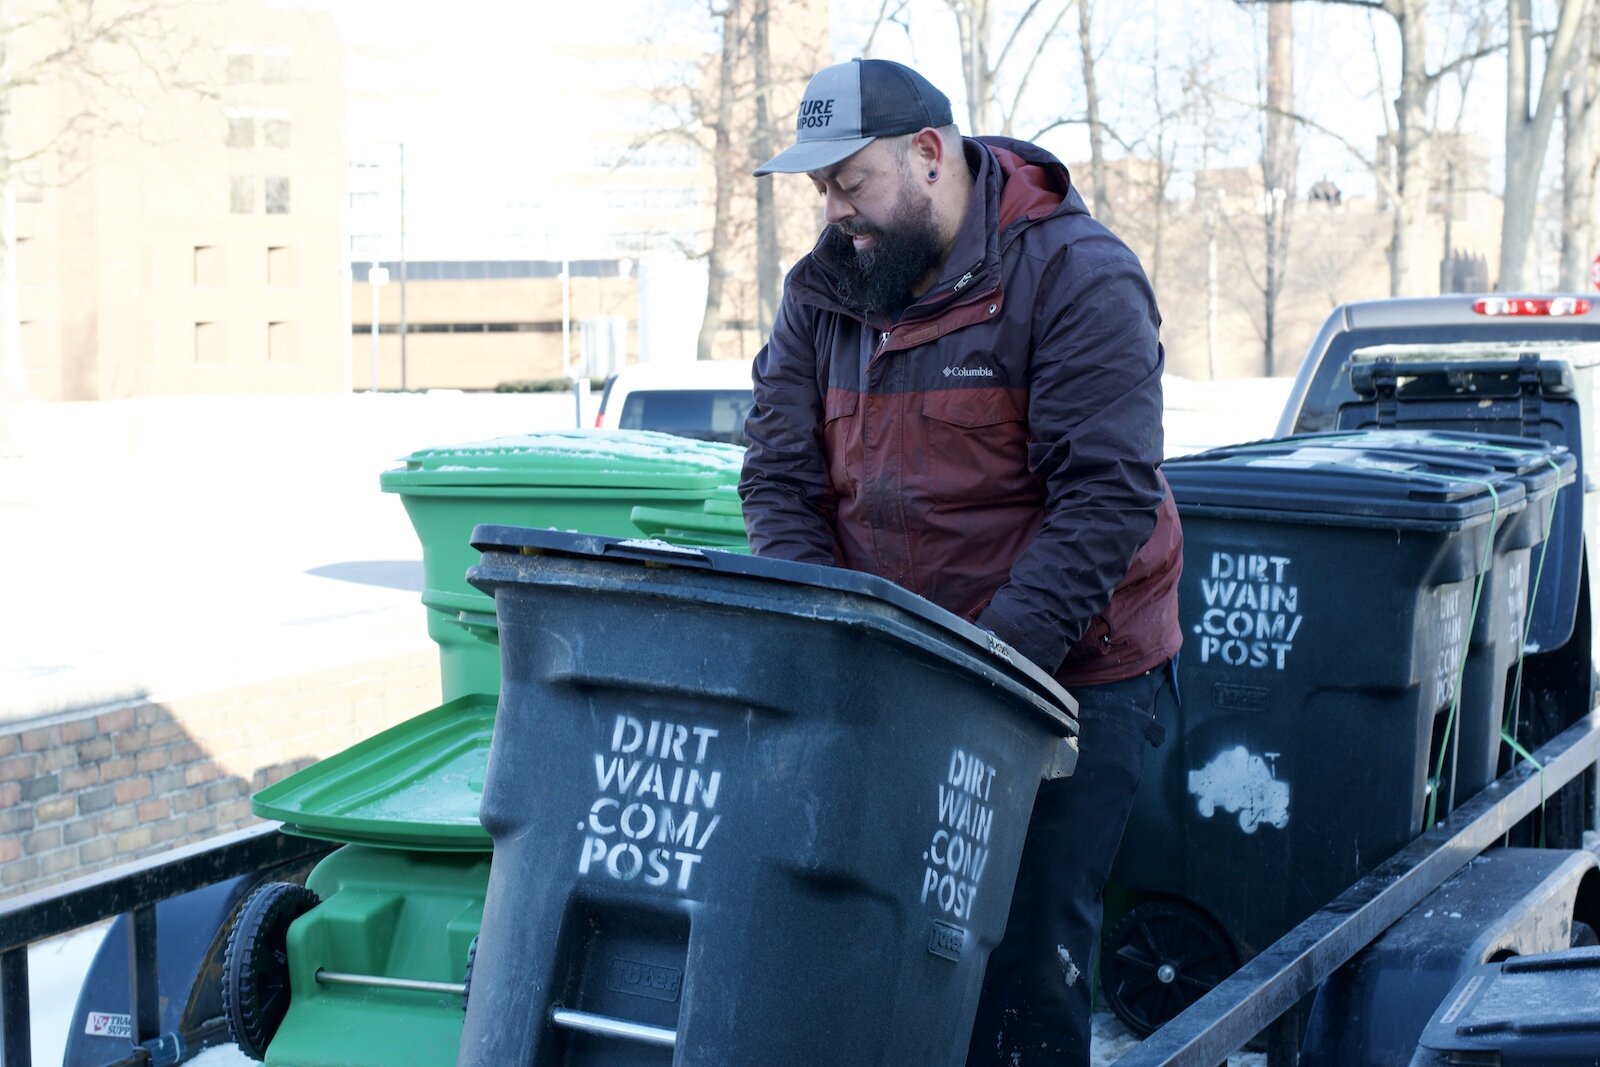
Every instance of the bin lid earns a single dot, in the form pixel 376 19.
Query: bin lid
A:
pixel 588 459
pixel 1344 484
pixel 1541 466
pixel 1537 1009
pixel 1048 695
pixel 414 786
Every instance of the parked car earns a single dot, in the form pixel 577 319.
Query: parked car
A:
pixel 704 400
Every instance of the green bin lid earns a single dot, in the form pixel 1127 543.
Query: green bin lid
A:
pixel 415 786
pixel 589 459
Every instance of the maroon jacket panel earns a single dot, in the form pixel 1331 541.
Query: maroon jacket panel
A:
pixel 997 449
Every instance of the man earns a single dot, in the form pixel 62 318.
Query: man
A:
pixel 962 393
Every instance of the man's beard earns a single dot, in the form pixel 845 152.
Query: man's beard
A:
pixel 879 280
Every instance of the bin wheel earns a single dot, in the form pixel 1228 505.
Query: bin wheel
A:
pixel 466 980
pixel 255 966
pixel 1161 957
pixel 1583 935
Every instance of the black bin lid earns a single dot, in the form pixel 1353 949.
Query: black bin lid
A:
pixel 1541 466
pixel 1344 484
pixel 995 653
pixel 1528 1010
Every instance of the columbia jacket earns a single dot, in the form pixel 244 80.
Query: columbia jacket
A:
pixel 996 450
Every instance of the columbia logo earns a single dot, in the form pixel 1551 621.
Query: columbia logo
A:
pixel 968 372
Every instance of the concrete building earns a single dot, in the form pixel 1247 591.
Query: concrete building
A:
pixel 625 204
pixel 189 240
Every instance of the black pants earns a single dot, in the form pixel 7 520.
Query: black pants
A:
pixel 1035 1006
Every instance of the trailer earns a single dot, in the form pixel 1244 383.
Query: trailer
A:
pixel 1498 872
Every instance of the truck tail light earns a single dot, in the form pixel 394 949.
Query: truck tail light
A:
pixel 1553 307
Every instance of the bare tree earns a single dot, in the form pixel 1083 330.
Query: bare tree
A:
pixel 1097 132
pixel 1404 177
pixel 993 101
pixel 1453 152
pixel 102 61
pixel 768 276
pixel 1581 156
pixel 1528 126
pixel 725 171
pixel 1279 171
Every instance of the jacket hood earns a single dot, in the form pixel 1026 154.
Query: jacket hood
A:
pixel 1034 183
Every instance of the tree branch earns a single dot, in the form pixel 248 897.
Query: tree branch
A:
pixel 1016 31
pixel 1022 84
pixel 1347 3
pixel 884 15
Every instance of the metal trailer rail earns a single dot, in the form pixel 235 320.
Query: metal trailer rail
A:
pixel 1257 997
pixel 132 889
pixel 1259 994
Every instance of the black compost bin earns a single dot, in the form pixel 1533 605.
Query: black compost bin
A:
pixel 1326 603
pixel 1532 392
pixel 1529 1011
pixel 1501 623
pixel 744 811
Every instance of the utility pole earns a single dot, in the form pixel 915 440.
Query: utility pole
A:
pixel 377 278
pixel 402 266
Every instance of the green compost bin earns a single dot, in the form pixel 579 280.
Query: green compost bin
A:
pixel 384 935
pixel 608 482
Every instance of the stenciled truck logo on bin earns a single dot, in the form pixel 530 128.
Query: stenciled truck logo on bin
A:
pixel 958 852
pixel 1251 613
pixel 655 813
pixel 1237 781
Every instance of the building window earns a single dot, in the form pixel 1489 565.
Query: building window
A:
pixel 241 132
pixel 241 68
pixel 277 190
pixel 280 266
pixel 208 267
pixel 283 342
pixel 241 195
pixel 276 133
pixel 210 342
pixel 275 66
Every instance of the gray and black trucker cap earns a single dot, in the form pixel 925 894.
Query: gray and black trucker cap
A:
pixel 849 105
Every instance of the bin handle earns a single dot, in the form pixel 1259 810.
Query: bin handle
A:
pixel 610 1026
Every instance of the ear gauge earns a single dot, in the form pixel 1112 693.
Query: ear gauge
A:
pixel 933 175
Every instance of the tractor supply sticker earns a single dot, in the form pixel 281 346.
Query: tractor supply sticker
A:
pixel 101 1024
pixel 655 814
pixel 1252 611
pixel 959 849
pixel 1238 782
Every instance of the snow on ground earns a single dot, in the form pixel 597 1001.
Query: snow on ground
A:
pixel 94 455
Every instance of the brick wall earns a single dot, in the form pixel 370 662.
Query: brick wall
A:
pixel 87 790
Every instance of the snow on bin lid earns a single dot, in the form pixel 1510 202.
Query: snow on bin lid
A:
pixel 416 785
pixel 1048 694
pixel 1349 485
pixel 1537 1009
pixel 1539 465
pixel 597 459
